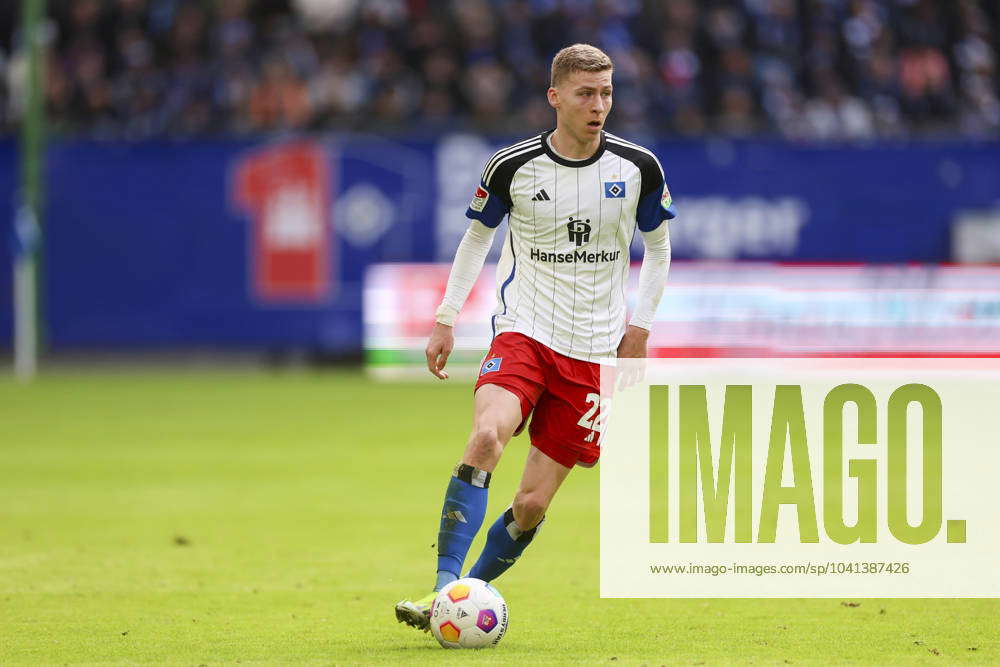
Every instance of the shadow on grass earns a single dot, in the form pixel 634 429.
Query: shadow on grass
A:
pixel 433 647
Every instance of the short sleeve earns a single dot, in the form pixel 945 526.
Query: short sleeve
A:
pixel 655 203
pixel 487 207
pixel 655 206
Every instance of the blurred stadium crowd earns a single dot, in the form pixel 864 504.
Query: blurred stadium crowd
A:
pixel 802 69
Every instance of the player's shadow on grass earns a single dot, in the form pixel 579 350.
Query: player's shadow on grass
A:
pixel 434 646
pixel 431 645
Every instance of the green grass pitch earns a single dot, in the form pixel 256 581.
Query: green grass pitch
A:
pixel 203 517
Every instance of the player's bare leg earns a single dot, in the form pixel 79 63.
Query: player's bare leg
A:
pixel 517 527
pixel 541 479
pixel 496 414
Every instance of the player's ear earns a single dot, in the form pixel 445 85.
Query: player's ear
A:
pixel 553 96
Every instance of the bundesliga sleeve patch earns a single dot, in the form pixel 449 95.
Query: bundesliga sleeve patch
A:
pixel 614 189
pixel 666 200
pixel 479 199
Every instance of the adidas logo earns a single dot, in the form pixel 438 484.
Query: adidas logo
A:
pixel 542 195
pixel 454 515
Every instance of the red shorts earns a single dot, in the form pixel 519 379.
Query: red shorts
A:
pixel 564 393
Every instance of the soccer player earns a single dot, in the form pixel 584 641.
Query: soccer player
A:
pixel 573 198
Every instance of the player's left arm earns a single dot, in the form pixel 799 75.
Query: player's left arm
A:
pixel 652 279
pixel 655 207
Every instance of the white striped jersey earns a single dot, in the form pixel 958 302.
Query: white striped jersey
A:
pixel 562 272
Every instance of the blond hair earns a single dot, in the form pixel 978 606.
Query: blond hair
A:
pixel 579 58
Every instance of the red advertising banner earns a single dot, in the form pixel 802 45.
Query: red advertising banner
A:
pixel 730 309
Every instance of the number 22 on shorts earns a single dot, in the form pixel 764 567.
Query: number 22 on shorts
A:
pixel 600 407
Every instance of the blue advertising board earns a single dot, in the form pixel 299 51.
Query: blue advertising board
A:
pixel 876 203
pixel 265 245
pixel 204 243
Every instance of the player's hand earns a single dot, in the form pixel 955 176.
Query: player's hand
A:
pixel 440 345
pixel 633 346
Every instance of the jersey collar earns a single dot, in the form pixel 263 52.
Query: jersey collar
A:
pixel 555 157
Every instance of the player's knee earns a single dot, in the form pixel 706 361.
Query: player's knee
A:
pixel 485 444
pixel 529 508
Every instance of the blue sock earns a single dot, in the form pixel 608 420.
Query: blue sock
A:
pixel 504 544
pixel 461 517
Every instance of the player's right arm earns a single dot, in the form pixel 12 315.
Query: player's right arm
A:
pixel 469 260
pixel 486 213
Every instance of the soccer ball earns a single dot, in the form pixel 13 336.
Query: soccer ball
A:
pixel 468 613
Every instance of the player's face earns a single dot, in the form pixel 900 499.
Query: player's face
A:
pixel 582 102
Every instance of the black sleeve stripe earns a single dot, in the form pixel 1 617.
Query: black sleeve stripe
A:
pixel 503 173
pixel 504 152
pixel 513 155
pixel 626 142
pixel 637 147
pixel 649 166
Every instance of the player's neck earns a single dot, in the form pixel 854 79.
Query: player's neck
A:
pixel 572 148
